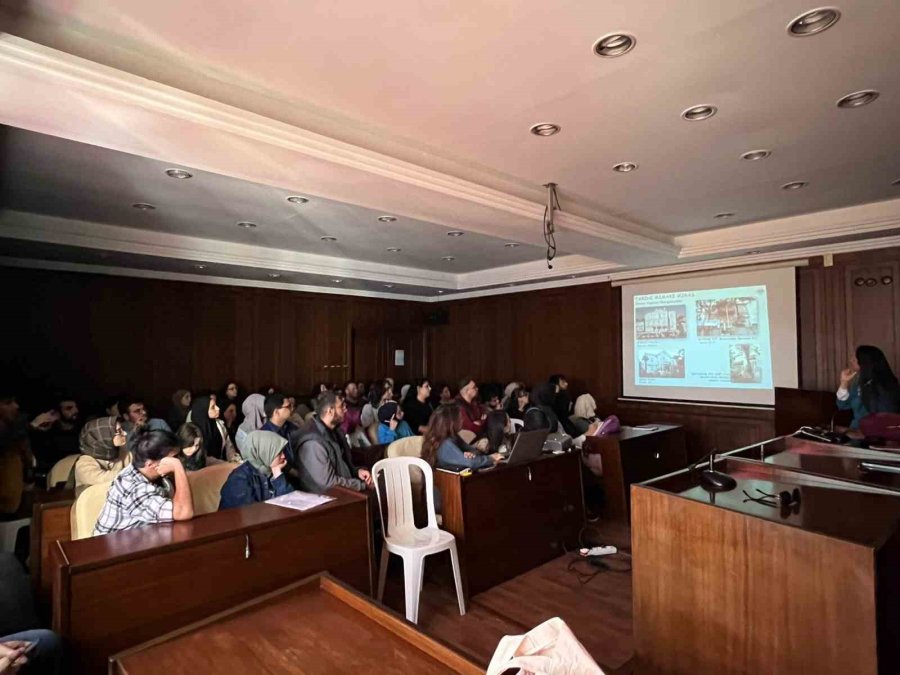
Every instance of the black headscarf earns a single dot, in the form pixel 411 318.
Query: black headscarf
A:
pixel 212 438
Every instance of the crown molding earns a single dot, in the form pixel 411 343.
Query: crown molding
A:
pixel 833 224
pixel 57 266
pixel 112 84
pixel 82 234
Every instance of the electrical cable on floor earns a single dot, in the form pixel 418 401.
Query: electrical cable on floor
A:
pixel 606 563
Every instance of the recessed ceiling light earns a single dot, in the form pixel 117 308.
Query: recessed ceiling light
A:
pixel 178 173
pixel 724 214
pixel 511 244
pixel 455 233
pixel 614 44
pixel 545 129
pixel 328 238
pixel 338 281
pixel 389 285
pixel 571 276
pixel 199 267
pixel 296 199
pixel 754 155
pixel 448 258
pixel 246 225
pixel 143 206
pixel 394 249
pixel 699 112
pixel 857 99
pixel 814 21
pixel 387 219
pixel 440 292
pixel 274 275
pixel 625 167
pixel 794 185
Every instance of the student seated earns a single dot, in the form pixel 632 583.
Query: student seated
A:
pixel 322 455
pixel 391 424
pixel 104 455
pixel 261 476
pixel 498 432
pixel 137 495
pixel 442 448
pixel 193 452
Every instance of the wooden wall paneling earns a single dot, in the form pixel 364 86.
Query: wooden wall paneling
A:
pixel 871 307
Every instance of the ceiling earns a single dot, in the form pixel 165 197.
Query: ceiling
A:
pixel 422 111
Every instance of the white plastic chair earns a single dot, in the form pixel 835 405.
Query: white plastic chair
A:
pixel 516 424
pixel 402 537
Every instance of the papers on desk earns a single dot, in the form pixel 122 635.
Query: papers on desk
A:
pixel 302 501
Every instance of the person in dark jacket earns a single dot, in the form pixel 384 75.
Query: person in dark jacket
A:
pixel 543 398
pixel 322 455
pixel 261 477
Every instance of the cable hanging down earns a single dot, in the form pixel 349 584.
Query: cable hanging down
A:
pixel 549 227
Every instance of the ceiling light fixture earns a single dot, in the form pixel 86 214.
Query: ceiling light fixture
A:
pixel 143 206
pixel 571 276
pixel 614 44
pixel 448 258
pixel 394 249
pixel 327 238
pixel 274 275
pixel 724 214
pixel 857 99
pixel 440 292
pixel 813 22
pixel 511 244
pixel 181 174
pixel 199 267
pixel 455 233
pixel 296 199
pixel 387 219
pixel 625 167
pixel 389 285
pixel 754 155
pixel 699 112
pixel 545 129
pixel 338 281
pixel 246 225
pixel 794 185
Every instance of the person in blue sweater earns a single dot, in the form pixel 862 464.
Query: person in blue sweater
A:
pixel 868 385
pixel 262 476
pixel 442 447
pixel 391 424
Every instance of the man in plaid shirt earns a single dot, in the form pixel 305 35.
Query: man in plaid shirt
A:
pixel 136 496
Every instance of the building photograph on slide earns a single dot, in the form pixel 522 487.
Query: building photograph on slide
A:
pixel 662 364
pixel 660 323
pixel 728 317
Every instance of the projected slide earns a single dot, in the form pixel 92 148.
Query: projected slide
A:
pixel 716 338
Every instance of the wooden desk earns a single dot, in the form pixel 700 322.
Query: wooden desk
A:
pixel 50 522
pixel 510 519
pixel 824 459
pixel 724 585
pixel 795 408
pixel 114 591
pixel 633 456
pixel 314 626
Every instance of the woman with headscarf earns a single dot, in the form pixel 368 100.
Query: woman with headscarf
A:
pixel 104 453
pixel 254 412
pixel 508 393
pixel 391 424
pixel 181 405
pixel 259 478
pixel 584 412
pixel 205 414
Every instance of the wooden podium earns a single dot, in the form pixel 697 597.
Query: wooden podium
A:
pixel 726 585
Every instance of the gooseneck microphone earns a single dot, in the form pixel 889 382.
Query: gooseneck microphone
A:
pixel 711 479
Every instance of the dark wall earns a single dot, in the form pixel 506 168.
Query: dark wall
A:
pixel 99 334
pixel 96 334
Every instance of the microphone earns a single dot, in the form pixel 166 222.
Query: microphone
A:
pixel 711 479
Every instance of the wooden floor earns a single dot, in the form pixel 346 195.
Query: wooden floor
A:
pixel 598 612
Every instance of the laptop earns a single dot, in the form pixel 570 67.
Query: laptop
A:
pixel 527 447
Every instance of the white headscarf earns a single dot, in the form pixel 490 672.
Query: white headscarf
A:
pixel 585 406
